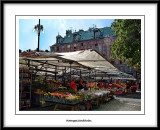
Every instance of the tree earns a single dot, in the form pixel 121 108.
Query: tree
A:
pixel 127 46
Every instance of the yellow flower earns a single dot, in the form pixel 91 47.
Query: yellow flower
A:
pixel 42 102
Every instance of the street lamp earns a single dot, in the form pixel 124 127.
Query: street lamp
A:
pixel 38 28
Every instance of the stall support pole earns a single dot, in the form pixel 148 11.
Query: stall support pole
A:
pixel 89 75
pixel 28 63
pixel 70 73
pixel 95 76
pixel 64 76
pixel 80 73
pixel 55 73
pixel 46 72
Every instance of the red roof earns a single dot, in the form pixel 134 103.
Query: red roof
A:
pixel 28 54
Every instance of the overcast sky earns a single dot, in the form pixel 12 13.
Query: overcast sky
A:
pixel 29 39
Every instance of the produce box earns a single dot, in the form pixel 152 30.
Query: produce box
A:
pixel 61 98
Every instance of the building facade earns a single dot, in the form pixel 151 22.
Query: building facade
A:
pixel 99 39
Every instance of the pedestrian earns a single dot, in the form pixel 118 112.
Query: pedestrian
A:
pixel 73 84
pixel 111 81
pixel 128 86
pixel 106 84
pixel 118 81
pixel 81 84
pixel 137 85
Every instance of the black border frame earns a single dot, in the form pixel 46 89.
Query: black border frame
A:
pixel 67 2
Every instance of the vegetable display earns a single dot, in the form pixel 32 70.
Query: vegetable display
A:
pixel 59 97
pixel 65 97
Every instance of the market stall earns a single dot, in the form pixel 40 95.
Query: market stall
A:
pixel 52 74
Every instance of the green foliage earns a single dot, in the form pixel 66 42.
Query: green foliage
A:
pixel 42 84
pixel 127 46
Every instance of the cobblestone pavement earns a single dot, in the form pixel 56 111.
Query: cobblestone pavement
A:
pixel 130 102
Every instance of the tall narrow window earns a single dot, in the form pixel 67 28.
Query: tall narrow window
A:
pixel 104 48
pixel 96 34
pixel 75 37
pixel 96 43
pixel 58 40
pixel 75 46
pixel 96 48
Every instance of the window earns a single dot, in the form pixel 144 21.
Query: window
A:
pixel 97 34
pixel 76 37
pixel 68 46
pixel 96 48
pixel 96 43
pixel 89 43
pixel 104 48
pixel 62 47
pixel 102 41
pixel 52 49
pixel 75 46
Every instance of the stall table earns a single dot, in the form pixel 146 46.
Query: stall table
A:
pixel 63 106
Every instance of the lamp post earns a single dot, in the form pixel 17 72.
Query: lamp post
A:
pixel 39 28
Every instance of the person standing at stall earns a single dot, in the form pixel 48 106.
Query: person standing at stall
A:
pixel 81 84
pixel 73 84
pixel 118 81
pixel 128 86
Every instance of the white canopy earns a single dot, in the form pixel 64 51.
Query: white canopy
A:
pixel 91 59
pixel 81 60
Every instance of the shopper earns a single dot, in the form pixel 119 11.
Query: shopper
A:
pixel 118 81
pixel 128 86
pixel 137 85
pixel 111 81
pixel 106 84
pixel 81 84
pixel 98 85
pixel 73 84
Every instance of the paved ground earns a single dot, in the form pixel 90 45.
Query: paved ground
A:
pixel 129 102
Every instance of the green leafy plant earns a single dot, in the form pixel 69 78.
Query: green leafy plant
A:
pixel 40 83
